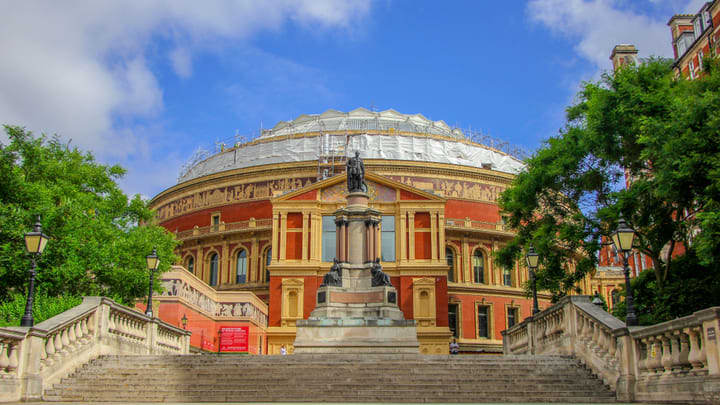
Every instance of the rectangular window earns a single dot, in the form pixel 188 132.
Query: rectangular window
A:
pixel 697 26
pixel 453 320
pixel 329 233
pixel 700 59
pixel 507 278
pixel 511 317
pixel 483 321
pixel 691 69
pixel 387 238
pixel 215 222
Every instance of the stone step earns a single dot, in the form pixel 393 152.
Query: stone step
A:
pixel 341 378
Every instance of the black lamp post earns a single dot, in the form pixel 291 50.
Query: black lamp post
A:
pixel 35 242
pixel 532 263
pixel 623 240
pixel 184 321
pixel 152 264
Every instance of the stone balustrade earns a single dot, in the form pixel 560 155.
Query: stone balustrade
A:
pixel 32 359
pixel 250 224
pixel 675 361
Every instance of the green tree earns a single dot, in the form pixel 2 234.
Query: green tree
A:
pixel 642 122
pixel 97 245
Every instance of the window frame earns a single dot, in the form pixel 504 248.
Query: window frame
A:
pixel 489 320
pixel 390 246
pixel 453 266
pixel 483 266
pixel 237 262
pixel 213 254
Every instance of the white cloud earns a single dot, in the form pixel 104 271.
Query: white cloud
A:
pixel 80 68
pixel 599 25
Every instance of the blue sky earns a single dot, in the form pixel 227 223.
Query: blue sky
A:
pixel 144 84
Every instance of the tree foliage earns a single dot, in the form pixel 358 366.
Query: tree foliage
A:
pixel 96 245
pixel 641 122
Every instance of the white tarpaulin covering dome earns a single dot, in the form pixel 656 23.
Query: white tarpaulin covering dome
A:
pixel 377 135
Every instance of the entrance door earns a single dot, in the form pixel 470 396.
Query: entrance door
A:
pixel 453 320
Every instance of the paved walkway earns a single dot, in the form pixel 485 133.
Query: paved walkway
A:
pixel 284 403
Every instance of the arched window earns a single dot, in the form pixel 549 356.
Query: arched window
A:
pixel 507 277
pixel 190 264
pixel 268 258
pixel 241 267
pixel 214 269
pixel 450 258
pixel 478 267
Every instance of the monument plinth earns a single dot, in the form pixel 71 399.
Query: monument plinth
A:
pixel 356 309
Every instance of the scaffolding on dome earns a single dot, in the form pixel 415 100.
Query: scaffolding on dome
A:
pixel 384 135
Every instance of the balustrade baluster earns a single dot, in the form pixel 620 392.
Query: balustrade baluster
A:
pixel 72 338
pixel 4 360
pixel 49 346
pixel 682 359
pixel 696 357
pixel 13 357
pixel 667 358
pixel 84 325
pixel 65 339
pixel 58 343
pixel 654 363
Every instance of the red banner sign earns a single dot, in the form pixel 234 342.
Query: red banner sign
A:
pixel 234 339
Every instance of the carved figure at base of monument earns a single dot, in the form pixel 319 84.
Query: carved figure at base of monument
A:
pixel 379 278
pixel 333 277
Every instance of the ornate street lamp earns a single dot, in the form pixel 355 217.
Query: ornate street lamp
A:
pixel 623 239
pixel 184 321
pixel 152 264
pixel 35 242
pixel 532 263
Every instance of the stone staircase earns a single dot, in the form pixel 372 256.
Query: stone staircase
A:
pixel 331 378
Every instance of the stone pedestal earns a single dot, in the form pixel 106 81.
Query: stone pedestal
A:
pixel 356 317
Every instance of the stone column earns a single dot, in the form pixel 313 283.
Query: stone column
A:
pixel 441 233
pixel 305 237
pixel 283 236
pixel 254 268
pixel 403 236
pixel 275 229
pixel 433 236
pixel 411 233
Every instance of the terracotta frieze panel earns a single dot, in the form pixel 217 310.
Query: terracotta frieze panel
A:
pixel 452 188
pixel 180 288
pixel 231 194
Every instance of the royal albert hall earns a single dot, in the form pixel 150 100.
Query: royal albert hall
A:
pixel 257 233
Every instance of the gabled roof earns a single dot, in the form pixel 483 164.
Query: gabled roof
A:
pixel 342 178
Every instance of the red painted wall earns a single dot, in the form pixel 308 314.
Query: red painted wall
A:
pixel 474 210
pixel 228 213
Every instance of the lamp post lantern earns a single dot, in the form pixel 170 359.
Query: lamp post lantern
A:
pixel 35 242
pixel 623 240
pixel 532 262
pixel 152 264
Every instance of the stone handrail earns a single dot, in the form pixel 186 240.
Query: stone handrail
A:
pixel 675 361
pixel 32 359
pixel 251 223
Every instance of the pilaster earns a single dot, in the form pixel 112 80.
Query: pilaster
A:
pixel 254 269
pixel 433 236
pixel 305 236
pixel 283 235
pixel 275 229
pixel 411 232
pixel 403 236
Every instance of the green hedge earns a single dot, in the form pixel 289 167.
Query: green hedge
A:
pixel 45 307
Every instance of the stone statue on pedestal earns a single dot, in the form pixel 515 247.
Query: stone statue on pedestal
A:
pixel 378 277
pixel 334 276
pixel 356 174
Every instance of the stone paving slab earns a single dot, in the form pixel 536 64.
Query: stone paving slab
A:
pixel 303 402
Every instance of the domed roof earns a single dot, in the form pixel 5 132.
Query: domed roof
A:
pixel 387 135
pixel 362 119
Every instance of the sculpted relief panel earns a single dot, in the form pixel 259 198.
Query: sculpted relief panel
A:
pixel 231 194
pixel 180 288
pixel 271 188
pixel 453 188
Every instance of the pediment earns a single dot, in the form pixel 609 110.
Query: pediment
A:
pixel 380 189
